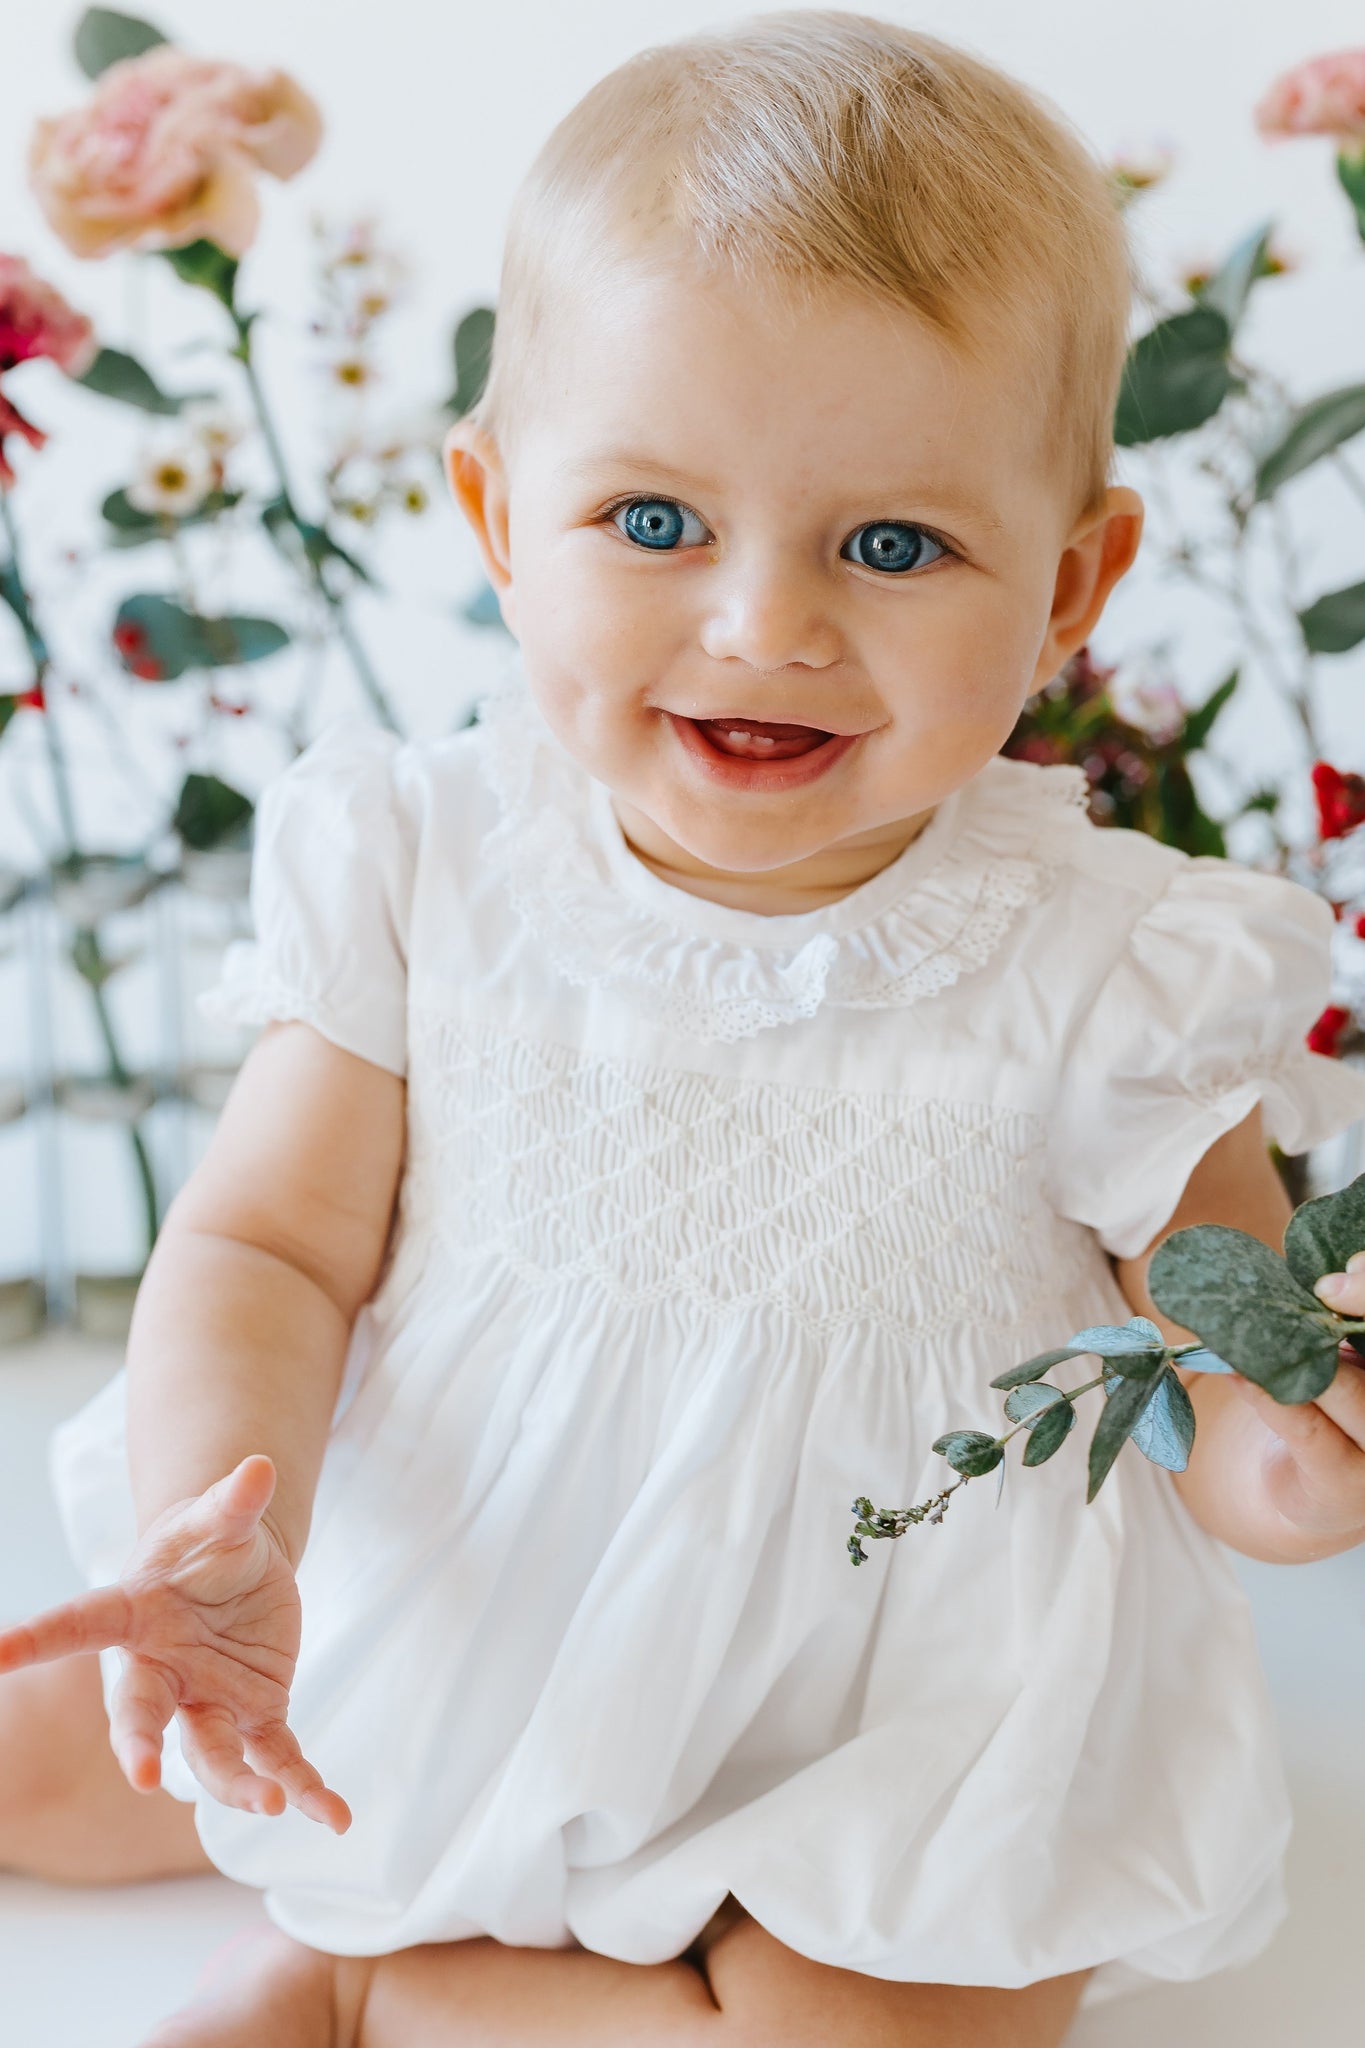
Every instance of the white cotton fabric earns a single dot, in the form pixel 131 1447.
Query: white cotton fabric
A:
pixel 711 1222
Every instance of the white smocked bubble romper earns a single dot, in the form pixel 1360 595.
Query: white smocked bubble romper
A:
pixel 710 1222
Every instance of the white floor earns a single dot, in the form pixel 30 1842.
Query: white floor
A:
pixel 98 1969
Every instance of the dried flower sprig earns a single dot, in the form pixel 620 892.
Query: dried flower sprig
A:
pixel 1253 1311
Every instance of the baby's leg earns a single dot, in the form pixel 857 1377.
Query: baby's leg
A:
pixel 67 1813
pixel 743 1990
pixel 749 1991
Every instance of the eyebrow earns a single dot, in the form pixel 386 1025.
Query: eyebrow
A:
pixel 944 494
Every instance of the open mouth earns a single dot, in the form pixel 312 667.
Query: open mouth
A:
pixel 760 753
pixel 753 739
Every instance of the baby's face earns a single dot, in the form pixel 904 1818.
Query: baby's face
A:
pixel 781 580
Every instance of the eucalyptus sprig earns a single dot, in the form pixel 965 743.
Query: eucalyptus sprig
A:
pixel 1253 1312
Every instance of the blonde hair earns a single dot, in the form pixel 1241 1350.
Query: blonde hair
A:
pixel 812 149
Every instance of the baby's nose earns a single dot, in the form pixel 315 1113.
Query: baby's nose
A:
pixel 770 615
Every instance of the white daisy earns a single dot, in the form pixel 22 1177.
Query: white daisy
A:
pixel 173 480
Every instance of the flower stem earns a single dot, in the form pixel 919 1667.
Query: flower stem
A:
pixel 341 618
pixel 117 1071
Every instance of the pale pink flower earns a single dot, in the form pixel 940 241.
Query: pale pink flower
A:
pixel 166 151
pixel 1325 96
pixel 35 320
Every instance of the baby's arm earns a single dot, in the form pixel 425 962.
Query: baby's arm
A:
pixel 238 1340
pixel 241 1324
pixel 1282 1484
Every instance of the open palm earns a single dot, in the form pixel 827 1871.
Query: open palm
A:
pixel 207 1616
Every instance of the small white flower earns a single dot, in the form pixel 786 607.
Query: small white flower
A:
pixel 211 423
pixel 173 480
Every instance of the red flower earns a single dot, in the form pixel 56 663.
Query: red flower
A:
pixel 1325 1036
pixel 131 642
pixel 35 320
pixel 1340 800
pixel 1360 927
pixel 13 422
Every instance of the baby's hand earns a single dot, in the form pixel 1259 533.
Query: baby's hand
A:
pixel 1314 1473
pixel 207 1616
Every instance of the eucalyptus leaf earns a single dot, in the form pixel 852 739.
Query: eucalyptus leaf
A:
pixel 113 374
pixel 1176 377
pixel 209 812
pixel 1049 1433
pixel 1351 175
pixel 103 38
pixel 1241 1299
pixel 1164 1432
pixel 1199 724
pixel 1025 1404
pixel 160 640
pixel 970 1452
pixel 1122 1413
pixel 1336 622
pixel 1119 1340
pixel 132 528
pixel 473 355
pixel 1204 1361
pixel 1322 1235
pixel 1229 291
pixel 1034 1368
pixel 1315 430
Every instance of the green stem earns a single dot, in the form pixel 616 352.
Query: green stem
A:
pixel 341 618
pixel 117 1071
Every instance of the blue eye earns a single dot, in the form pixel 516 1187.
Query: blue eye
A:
pixel 654 522
pixel 890 544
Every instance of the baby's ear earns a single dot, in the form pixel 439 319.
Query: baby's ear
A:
pixel 478 484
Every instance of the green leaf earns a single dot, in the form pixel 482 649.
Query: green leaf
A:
pixel 116 375
pixel 1034 1368
pixel 1229 291
pixel 1120 1340
pixel 163 637
pixel 1336 622
pixel 204 264
pixel 9 704
pixel 473 353
pixel 103 37
pixel 209 811
pixel 1049 1433
pixel 1315 430
pixel 970 1452
pixel 1322 1235
pixel 1164 1432
pixel 1199 724
pixel 1351 175
pixel 132 527
pixel 1241 1300
pixel 292 535
pixel 1176 377
pixel 1204 1360
pixel 1026 1404
pixel 1122 1413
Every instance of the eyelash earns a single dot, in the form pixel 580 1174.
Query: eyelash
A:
pixel 609 513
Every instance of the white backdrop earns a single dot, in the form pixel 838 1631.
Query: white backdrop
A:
pixel 433 111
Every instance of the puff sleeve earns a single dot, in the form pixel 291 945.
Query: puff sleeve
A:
pixel 1203 1015
pixel 331 894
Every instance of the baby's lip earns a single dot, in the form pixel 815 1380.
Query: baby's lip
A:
pixel 777 729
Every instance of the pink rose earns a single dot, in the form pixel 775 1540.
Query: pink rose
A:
pixel 35 320
pixel 166 151
pixel 1325 96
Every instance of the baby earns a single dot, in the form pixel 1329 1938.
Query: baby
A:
pixel 679 1095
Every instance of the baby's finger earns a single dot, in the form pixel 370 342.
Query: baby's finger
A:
pixel 143 1702
pixel 1344 1400
pixel 275 1749
pixel 235 1504
pixel 92 1621
pixel 213 1750
pixel 1345 1292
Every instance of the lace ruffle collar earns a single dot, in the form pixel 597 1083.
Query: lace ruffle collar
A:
pixel 716 973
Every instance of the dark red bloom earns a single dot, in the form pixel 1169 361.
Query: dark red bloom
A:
pixel 131 642
pixel 1340 800
pixel 12 421
pixel 1325 1036
pixel 1360 927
